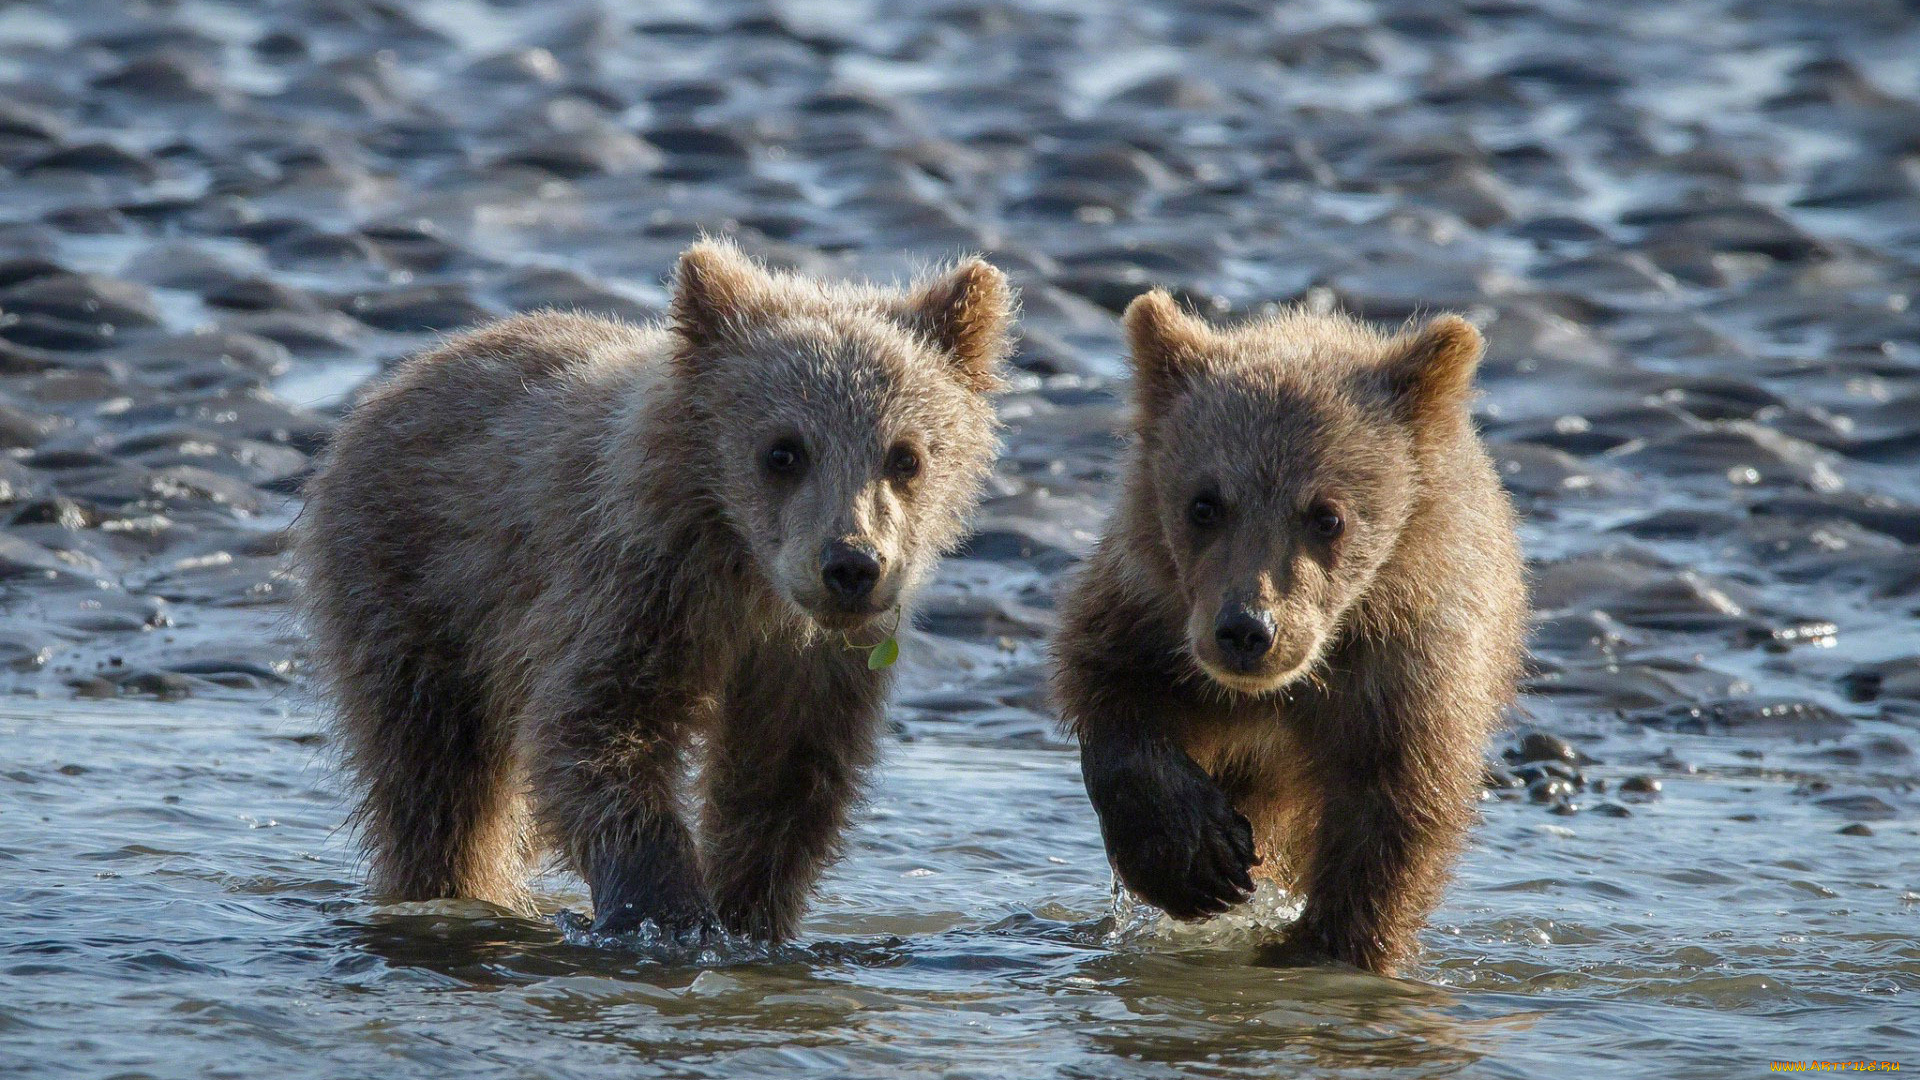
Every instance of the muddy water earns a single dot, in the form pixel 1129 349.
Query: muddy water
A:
pixel 1689 229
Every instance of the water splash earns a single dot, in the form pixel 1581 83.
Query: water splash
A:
pixel 1261 920
pixel 709 947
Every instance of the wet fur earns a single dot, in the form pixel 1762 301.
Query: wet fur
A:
pixel 1356 779
pixel 532 586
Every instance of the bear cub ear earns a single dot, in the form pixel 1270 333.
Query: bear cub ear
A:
pixel 1431 373
pixel 968 312
pixel 1165 347
pixel 712 285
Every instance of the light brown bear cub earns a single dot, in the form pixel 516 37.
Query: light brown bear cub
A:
pixel 1301 626
pixel 548 554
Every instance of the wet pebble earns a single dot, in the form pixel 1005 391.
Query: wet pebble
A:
pixel 1541 746
pixel 1499 778
pixel 99 159
pixel 431 308
pixel 85 300
pixel 571 291
pixel 1858 806
pixel 260 294
pixel 1640 784
pixel 1534 771
pixel 169 75
pixel 1550 789
pixel 1798 719
pixel 1898 678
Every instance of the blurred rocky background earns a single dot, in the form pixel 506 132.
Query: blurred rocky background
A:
pixel 1688 229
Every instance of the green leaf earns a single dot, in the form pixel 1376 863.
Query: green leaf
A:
pixel 884 654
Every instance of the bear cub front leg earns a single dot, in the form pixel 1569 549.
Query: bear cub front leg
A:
pixel 654 878
pixel 1172 834
pixel 798 734
pixel 607 736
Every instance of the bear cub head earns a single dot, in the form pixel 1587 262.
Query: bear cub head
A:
pixel 849 428
pixel 1280 460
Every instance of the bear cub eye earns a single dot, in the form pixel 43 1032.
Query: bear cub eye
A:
pixel 1205 512
pixel 1325 522
pixel 903 462
pixel 786 457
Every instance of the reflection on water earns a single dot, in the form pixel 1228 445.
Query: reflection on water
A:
pixel 180 902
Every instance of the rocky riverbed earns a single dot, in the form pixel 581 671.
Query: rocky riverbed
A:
pixel 1690 231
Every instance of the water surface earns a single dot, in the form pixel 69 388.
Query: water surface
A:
pixel 181 903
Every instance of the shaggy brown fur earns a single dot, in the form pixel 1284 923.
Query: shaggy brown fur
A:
pixel 548 554
pixel 1302 624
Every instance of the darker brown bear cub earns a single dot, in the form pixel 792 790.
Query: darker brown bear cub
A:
pixel 1301 626
pixel 549 555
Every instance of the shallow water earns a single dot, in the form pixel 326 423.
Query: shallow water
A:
pixel 1690 230
pixel 181 904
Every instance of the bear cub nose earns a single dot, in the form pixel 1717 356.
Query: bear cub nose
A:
pixel 1245 636
pixel 849 571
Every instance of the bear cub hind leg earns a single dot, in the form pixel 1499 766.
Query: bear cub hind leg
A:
pixel 443 815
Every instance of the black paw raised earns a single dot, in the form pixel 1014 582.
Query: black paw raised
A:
pixel 1174 837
